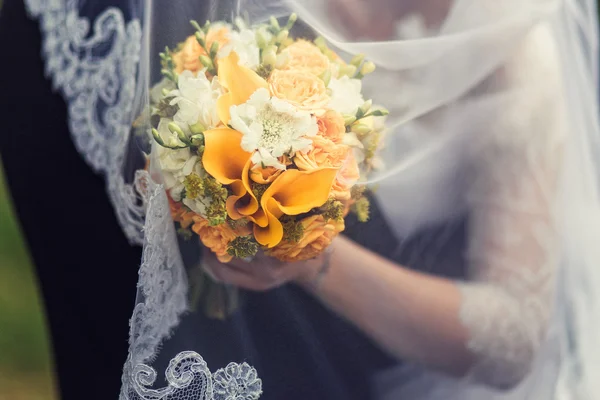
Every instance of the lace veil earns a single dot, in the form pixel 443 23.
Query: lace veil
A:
pixel 493 111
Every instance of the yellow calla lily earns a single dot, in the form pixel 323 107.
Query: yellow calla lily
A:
pixel 226 161
pixel 241 82
pixel 293 192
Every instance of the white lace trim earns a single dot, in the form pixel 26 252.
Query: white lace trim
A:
pixel 188 378
pixel 95 70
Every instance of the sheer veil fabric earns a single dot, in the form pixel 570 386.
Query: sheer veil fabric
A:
pixel 493 112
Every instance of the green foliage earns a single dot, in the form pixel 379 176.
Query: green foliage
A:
pixel 24 342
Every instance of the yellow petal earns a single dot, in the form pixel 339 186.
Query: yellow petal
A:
pixel 293 192
pixel 224 103
pixel 223 158
pixel 297 192
pixel 239 191
pixel 240 81
pixel 252 205
pixel 272 233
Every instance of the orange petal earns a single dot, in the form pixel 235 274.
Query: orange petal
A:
pixel 252 206
pixel 297 192
pixel 241 83
pixel 239 191
pixel 259 218
pixel 223 158
pixel 264 176
pixel 272 233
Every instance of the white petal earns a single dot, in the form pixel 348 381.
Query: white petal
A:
pixel 350 139
pixel 188 167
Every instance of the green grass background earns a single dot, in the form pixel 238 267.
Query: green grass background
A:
pixel 25 366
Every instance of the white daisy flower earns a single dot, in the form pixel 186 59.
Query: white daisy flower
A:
pixel 196 97
pixel 272 128
pixel 346 96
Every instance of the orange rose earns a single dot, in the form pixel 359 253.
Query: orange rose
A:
pixel 332 126
pixel 305 57
pixel 347 177
pixel 188 58
pixel 180 214
pixel 318 235
pixel 217 238
pixel 325 153
pixel 217 33
pixel 303 90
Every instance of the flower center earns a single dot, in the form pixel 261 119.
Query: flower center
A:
pixel 277 128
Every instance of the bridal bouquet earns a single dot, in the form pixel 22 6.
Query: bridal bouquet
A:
pixel 263 140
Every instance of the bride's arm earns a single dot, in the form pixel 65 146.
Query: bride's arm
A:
pixel 413 315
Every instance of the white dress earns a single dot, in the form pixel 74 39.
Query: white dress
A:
pixel 511 174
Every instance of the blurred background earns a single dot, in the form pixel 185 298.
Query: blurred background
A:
pixel 25 359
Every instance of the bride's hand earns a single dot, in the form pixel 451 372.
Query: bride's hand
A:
pixel 262 273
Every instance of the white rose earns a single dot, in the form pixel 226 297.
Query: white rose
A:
pixel 196 98
pixel 174 164
pixel 244 44
pixel 346 96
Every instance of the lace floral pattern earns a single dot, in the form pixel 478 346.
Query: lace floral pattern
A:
pixel 95 70
pixel 189 378
pixel 94 67
pixel 513 250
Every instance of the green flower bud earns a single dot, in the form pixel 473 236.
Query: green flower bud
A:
pixel 196 25
pixel 274 23
pixel 263 38
pixel 291 21
pixel 320 43
pixel 197 140
pixel 367 68
pixel 366 106
pixel 200 38
pixel 214 48
pixel 270 56
pixel 357 60
pixel 206 61
pixel 349 70
pixel 282 36
pixel 361 129
pixel 197 128
pixel 326 77
pixel 157 137
pixel 240 23
pixel 382 112
pixel 174 128
pixel 349 119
